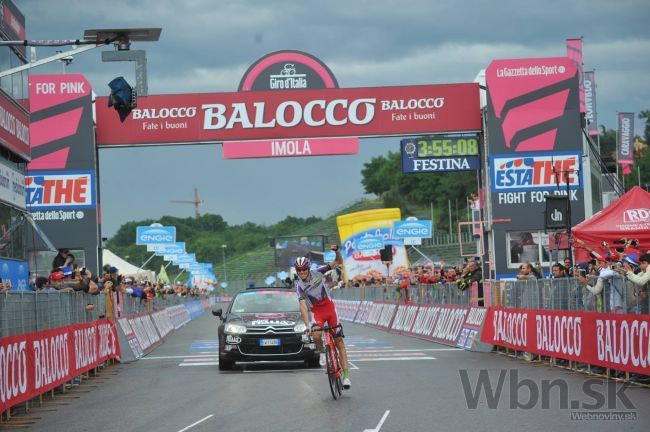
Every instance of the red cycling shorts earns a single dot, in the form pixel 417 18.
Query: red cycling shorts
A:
pixel 325 312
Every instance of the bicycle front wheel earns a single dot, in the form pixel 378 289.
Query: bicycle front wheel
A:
pixel 331 373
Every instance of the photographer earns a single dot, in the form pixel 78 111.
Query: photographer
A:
pixel 639 284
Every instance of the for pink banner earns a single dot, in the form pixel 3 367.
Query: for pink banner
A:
pixel 290 148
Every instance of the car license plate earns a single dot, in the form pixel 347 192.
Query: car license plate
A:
pixel 270 342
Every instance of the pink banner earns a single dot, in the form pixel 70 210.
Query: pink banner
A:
pixel 266 115
pixel 290 148
pixel 33 363
pixel 618 341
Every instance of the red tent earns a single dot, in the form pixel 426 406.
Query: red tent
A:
pixel 627 217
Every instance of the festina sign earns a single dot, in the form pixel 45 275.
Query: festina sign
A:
pixel 334 112
pixel 416 165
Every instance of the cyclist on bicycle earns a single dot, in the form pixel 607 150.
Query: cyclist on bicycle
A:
pixel 314 296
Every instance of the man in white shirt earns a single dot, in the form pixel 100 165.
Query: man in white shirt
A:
pixel 643 277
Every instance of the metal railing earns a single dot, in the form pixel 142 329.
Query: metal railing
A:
pixel 29 311
pixel 441 293
pixel 617 295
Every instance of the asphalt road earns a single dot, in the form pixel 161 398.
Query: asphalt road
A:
pixel 398 384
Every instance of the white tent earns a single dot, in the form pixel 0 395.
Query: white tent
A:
pixel 125 268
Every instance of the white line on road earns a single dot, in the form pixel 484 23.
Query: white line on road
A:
pixel 195 423
pixel 404 350
pixel 393 358
pixel 381 422
pixel 177 357
pixel 199 364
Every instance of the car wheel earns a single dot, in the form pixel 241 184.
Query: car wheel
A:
pixel 313 362
pixel 226 365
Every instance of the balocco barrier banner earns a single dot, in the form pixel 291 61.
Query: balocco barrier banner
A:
pixel 381 315
pixel 178 315
pixel 363 312
pixel 145 331
pixel 617 341
pixel 33 363
pixel 354 112
pixel 346 310
pixel 439 323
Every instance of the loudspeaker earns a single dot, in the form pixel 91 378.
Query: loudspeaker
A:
pixel 386 253
pixel 557 212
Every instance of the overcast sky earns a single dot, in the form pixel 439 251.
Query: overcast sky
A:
pixel 207 45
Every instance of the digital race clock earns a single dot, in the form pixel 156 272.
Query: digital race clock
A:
pixel 441 146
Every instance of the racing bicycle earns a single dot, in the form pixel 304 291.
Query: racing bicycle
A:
pixel 333 370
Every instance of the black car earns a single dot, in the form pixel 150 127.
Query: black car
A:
pixel 263 324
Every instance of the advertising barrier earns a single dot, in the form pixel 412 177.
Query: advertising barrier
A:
pixel 617 341
pixel 145 331
pixel 347 309
pixel 381 315
pixel 179 316
pixel 404 318
pixel 33 363
pixel 127 337
pixel 362 313
pixel 163 323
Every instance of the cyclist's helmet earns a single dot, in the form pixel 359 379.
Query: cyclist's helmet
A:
pixel 302 263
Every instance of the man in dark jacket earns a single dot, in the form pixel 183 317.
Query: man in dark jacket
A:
pixel 472 273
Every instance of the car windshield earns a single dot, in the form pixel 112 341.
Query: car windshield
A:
pixel 266 302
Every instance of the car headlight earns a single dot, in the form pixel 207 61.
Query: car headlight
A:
pixel 234 328
pixel 300 327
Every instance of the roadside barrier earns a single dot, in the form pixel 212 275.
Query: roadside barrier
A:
pixel 453 325
pixel 617 341
pixel 34 363
pixel 141 333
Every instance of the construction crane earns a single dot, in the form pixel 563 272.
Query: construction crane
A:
pixel 197 202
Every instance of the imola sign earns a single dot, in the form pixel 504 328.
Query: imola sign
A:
pixel 260 115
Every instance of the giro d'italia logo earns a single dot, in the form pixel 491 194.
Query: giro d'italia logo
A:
pixel 287 70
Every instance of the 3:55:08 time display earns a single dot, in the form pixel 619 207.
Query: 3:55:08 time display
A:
pixel 447 147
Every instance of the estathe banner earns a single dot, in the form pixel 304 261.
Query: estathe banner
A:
pixel 259 115
pixel 535 145
pixel 61 188
pixel 617 341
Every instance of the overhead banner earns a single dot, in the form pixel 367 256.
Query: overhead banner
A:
pixel 625 138
pixel 590 103
pixel 61 188
pixel 259 115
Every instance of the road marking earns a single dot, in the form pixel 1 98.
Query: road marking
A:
pixel 199 364
pixel 195 423
pixel 393 354
pixel 381 422
pixel 190 360
pixel 404 350
pixel 393 358
pixel 179 356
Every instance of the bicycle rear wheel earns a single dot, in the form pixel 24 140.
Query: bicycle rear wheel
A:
pixel 331 373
